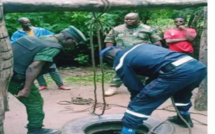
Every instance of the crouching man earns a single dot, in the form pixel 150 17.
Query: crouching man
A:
pixel 174 74
pixel 34 56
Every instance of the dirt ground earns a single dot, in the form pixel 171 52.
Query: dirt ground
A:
pixel 56 115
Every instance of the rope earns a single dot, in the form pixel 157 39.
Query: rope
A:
pixel 166 109
pixel 90 102
pixel 176 110
pixel 93 63
pixel 76 101
pixel 169 110
pixel 152 130
pixel 98 24
pixel 179 114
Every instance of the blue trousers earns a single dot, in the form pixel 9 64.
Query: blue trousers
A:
pixel 178 83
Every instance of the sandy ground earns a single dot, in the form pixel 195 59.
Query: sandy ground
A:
pixel 57 115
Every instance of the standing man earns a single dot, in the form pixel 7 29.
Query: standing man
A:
pixel 28 30
pixel 34 56
pixel 131 33
pixel 175 74
pixel 180 38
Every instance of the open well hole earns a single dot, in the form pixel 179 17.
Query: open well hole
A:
pixel 113 127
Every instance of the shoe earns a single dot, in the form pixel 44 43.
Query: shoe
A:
pixel 44 131
pixel 177 120
pixel 126 130
pixel 64 88
pixel 110 91
pixel 42 87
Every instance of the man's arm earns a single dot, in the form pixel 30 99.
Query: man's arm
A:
pixel 170 41
pixel 131 81
pixel 158 43
pixel 155 38
pixel 189 36
pixel 110 39
pixel 32 72
pixel 168 38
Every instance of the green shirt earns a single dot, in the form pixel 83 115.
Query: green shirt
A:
pixel 124 37
pixel 47 54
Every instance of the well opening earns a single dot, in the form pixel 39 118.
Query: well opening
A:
pixel 110 127
pixel 112 124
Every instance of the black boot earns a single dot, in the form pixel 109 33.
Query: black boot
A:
pixel 43 131
pixel 177 120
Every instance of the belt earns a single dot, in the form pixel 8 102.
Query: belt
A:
pixel 173 65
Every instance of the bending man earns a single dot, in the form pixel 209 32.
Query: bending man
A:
pixel 29 30
pixel 34 56
pixel 175 74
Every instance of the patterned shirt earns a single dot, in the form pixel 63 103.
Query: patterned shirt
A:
pixel 124 36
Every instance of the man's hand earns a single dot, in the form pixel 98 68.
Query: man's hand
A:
pixel 23 93
pixel 182 27
pixel 189 37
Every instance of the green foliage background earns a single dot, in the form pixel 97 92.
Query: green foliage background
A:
pixel 81 55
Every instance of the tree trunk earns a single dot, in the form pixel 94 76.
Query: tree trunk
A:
pixel 201 99
pixel 14 6
pixel 194 22
pixel 6 58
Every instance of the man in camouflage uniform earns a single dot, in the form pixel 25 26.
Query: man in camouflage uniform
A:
pixel 131 33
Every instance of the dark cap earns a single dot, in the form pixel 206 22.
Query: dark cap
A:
pixel 108 54
pixel 102 53
pixel 77 34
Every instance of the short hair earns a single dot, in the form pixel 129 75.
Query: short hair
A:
pixel 22 18
pixel 182 17
pixel 134 14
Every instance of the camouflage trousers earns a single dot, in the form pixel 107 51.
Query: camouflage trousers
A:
pixel 116 81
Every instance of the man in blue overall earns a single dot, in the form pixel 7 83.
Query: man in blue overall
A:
pixel 33 56
pixel 174 74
